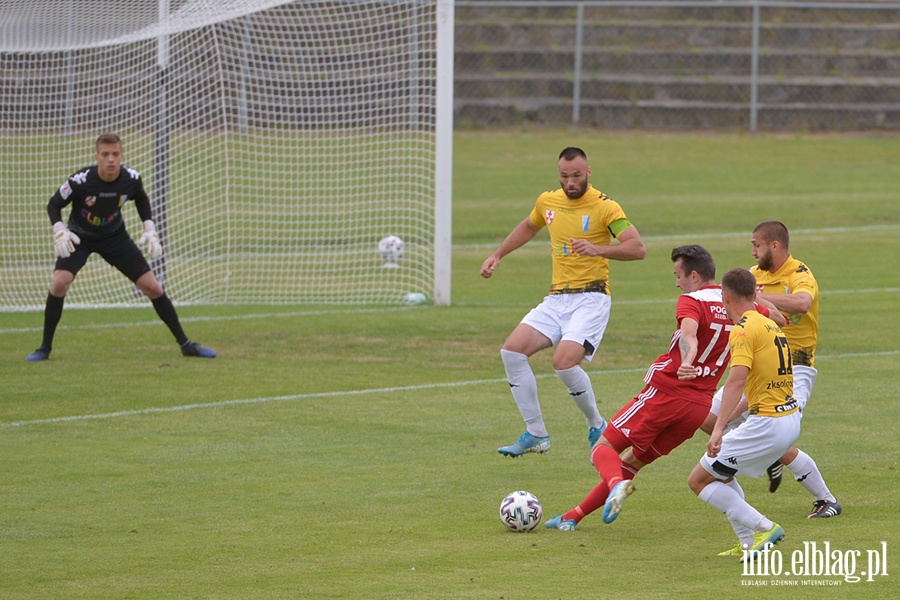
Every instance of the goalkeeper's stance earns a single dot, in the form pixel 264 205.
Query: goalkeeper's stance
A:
pixel 97 195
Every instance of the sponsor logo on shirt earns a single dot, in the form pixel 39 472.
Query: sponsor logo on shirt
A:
pixel 788 406
pixel 98 221
pixel 718 312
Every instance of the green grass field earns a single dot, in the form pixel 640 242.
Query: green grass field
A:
pixel 351 452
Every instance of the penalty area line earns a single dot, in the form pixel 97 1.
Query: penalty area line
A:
pixel 361 311
pixel 383 390
pixel 286 398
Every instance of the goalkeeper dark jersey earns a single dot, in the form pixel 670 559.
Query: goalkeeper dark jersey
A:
pixel 97 204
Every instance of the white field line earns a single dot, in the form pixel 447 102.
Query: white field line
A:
pixel 725 235
pixel 657 238
pixel 319 313
pixel 155 321
pixel 384 390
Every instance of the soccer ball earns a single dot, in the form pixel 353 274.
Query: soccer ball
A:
pixel 521 511
pixel 415 298
pixel 391 250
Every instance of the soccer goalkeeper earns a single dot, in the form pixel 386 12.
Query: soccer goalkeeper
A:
pixel 97 195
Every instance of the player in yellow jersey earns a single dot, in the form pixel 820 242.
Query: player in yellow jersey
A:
pixel 791 287
pixel 761 371
pixel 582 222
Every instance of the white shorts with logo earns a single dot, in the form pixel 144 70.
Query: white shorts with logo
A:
pixel 580 318
pixel 752 447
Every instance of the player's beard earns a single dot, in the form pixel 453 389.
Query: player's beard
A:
pixel 577 193
pixel 764 262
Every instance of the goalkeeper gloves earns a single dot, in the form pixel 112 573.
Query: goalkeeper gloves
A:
pixel 151 238
pixel 64 241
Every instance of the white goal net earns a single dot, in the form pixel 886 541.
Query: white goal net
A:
pixel 278 141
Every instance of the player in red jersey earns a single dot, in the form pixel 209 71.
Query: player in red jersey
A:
pixel 679 388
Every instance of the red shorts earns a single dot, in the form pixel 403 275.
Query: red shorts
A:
pixel 654 423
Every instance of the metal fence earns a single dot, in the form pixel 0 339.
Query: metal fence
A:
pixel 679 65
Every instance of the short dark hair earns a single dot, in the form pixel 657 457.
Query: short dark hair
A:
pixel 571 153
pixel 108 138
pixel 774 231
pixel 696 258
pixel 740 282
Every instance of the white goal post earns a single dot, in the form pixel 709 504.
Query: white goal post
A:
pixel 279 141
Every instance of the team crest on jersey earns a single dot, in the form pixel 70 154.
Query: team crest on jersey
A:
pixel 585 222
pixel 90 201
pixel 548 216
pixel 65 190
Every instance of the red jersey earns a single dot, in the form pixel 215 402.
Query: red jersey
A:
pixel 704 306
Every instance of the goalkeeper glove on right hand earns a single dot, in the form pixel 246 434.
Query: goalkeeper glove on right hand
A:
pixel 64 241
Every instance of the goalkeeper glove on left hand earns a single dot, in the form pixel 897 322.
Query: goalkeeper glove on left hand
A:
pixel 64 241
pixel 151 238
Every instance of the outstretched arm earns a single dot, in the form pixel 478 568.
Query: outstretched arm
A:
pixel 796 303
pixel 731 397
pixel 774 313
pixel 630 247
pixel 517 238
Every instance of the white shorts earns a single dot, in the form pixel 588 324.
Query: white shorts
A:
pixel 804 378
pixel 579 318
pixel 717 405
pixel 753 446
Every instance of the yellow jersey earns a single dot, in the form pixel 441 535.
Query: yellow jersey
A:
pixel 594 217
pixel 759 344
pixel 802 330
